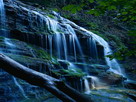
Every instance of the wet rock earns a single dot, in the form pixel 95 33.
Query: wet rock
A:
pixel 130 84
pixel 2 91
pixel 111 78
pixel 93 69
pixel 63 64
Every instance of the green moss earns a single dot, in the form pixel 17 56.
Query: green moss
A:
pixel 70 72
pixel 25 59
pixel 1 38
pixel 92 25
pixel 51 16
pixel 42 54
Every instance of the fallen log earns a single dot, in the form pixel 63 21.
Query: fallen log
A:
pixel 53 85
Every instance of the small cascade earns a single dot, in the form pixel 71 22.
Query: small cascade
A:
pixel 87 86
pixel 52 25
pixel 71 65
pixel 64 46
pixel 92 82
pixel 12 46
pixel 93 48
pixel 19 87
pixel 75 41
pixel 113 64
pixel 50 44
pixel 3 20
pixel 6 40
pixel 72 46
pixel 9 43
pixel 58 45
pixel 2 15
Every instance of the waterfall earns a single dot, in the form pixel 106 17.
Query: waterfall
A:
pixel 74 40
pixel 57 45
pixel 8 41
pixel 87 87
pixel 2 15
pixel 93 48
pixel 50 44
pixel 61 43
pixel 73 46
pixel 20 87
pixel 64 42
pixel 96 83
pixel 3 20
pixel 113 64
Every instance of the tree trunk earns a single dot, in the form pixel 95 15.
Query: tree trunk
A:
pixel 53 85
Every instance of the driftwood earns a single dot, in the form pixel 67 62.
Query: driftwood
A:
pixel 53 85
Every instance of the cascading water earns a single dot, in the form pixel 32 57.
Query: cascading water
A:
pixel 74 44
pixel 64 46
pixel 113 64
pixel 87 86
pixel 93 49
pixel 75 41
pixel 2 15
pixel 20 87
pixel 57 43
pixel 50 44
pixel 7 41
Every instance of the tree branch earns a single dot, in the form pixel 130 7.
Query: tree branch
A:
pixel 53 85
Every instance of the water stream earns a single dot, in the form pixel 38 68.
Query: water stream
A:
pixel 7 41
pixel 58 45
pixel 74 43
pixel 19 87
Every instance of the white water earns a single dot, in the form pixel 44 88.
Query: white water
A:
pixel 96 83
pixel 53 26
pixel 113 64
pixel 74 40
pixel 64 42
pixel 87 86
pixel 50 44
pixel 20 87
pixel 9 43
pixel 72 46
pixel 6 40
pixel 12 46
pixel 93 48
pixel 58 45
pixel 2 15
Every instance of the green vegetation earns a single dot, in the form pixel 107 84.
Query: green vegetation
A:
pixel 70 72
pixel 42 54
pixel 119 11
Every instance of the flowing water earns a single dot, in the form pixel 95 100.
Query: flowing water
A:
pixel 113 64
pixel 19 87
pixel 59 45
pixel 2 15
pixel 7 41
pixel 74 44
